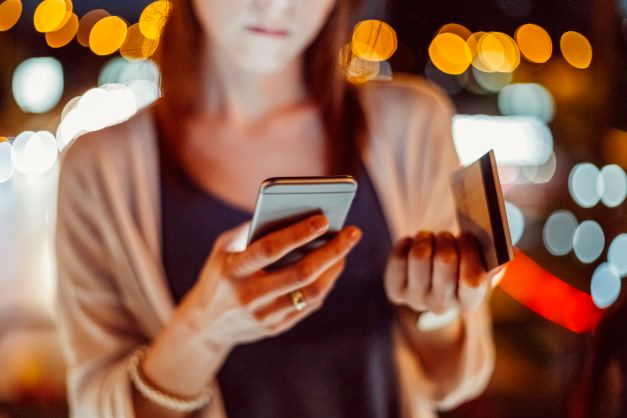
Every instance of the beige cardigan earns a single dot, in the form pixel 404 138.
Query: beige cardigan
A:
pixel 112 291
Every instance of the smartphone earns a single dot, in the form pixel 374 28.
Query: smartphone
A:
pixel 481 210
pixel 283 201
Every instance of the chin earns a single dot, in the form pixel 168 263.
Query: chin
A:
pixel 263 64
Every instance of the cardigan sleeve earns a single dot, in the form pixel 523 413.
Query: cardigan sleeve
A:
pixel 429 158
pixel 96 332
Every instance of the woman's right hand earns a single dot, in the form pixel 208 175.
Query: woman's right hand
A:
pixel 236 301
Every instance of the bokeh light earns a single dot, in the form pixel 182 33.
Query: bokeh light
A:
pixel 612 185
pixel 38 84
pixel 153 18
pixel 34 152
pixel 588 241
pixel 527 99
pixel 516 140
pixel 582 184
pixel 10 12
pixel 576 49
pixel 516 221
pixel 6 164
pixel 64 35
pixel 543 173
pixel 617 254
pixel 50 15
pixel 605 285
pixel 496 51
pixel 491 81
pixel 355 69
pixel 373 40
pixel 459 30
pixel 534 43
pixel 107 35
pixel 86 24
pixel 136 45
pixel 450 53
pixel 558 232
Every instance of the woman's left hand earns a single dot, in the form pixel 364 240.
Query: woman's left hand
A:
pixel 437 272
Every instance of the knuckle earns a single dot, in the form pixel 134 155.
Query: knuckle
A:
pixel 447 255
pixel 267 248
pixel 303 270
pixel 421 250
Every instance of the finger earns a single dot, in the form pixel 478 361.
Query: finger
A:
pixel 420 266
pixel 471 270
pixel 396 270
pixel 302 273
pixel 445 273
pixel 314 295
pixel 275 245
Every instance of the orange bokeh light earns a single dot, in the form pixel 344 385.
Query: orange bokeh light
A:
pixel 374 40
pixel 63 36
pixel 10 12
pixel 534 42
pixel 107 35
pixel 450 53
pixel 576 49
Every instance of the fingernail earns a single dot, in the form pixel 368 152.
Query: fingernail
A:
pixel 319 222
pixel 354 234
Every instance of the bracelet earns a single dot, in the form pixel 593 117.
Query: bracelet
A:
pixel 157 396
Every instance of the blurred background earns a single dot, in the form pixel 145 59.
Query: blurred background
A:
pixel 543 83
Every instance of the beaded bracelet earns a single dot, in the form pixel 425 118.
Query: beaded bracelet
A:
pixel 158 397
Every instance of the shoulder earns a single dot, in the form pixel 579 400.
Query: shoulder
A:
pixel 405 95
pixel 108 148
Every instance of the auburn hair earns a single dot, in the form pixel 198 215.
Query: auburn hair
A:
pixel 342 116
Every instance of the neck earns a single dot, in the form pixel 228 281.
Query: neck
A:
pixel 242 97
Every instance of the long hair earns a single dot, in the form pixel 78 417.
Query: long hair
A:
pixel 342 116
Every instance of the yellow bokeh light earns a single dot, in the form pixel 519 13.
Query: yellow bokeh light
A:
pixel 69 7
pixel 63 36
pixel 534 42
pixel 3 139
pixel 496 52
pixel 576 49
pixel 87 22
pixel 10 12
pixel 153 18
pixel 107 35
pixel 450 53
pixel 137 46
pixel 373 40
pixel 49 15
pixel 459 30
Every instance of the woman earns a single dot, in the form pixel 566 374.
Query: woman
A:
pixel 165 314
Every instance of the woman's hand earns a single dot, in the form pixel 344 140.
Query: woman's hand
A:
pixel 236 301
pixel 437 272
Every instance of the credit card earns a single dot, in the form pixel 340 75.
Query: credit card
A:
pixel 481 210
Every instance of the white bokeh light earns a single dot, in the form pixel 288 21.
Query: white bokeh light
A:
pixel 582 184
pixel 612 185
pixel 516 140
pixel 516 222
pixel 559 231
pixel 588 241
pixel 617 254
pixel 34 152
pixel 6 164
pixel 605 285
pixel 543 173
pixel 38 84
pixel 526 99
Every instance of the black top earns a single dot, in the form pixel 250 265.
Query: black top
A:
pixel 339 361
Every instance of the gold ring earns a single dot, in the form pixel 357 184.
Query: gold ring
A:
pixel 298 300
